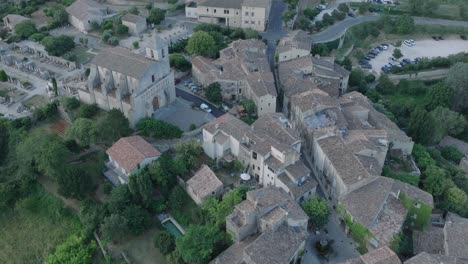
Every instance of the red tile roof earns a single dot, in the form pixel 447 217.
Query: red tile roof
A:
pixel 128 152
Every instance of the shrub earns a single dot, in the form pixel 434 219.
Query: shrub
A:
pixel 213 93
pixel 157 128
pixel 452 154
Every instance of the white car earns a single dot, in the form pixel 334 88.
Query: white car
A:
pixel 205 108
pixel 408 43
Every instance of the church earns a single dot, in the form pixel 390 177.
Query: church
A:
pixel 138 85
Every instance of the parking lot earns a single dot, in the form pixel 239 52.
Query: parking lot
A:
pixel 423 48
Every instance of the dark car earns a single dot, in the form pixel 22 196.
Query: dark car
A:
pixel 362 62
pixel 386 69
pixel 463 37
pixel 366 66
pixel 351 14
pixel 396 2
pixel 435 38
pixel 371 55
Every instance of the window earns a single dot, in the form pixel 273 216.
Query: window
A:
pixel 152 78
pixel 207 10
pixel 252 22
pixel 152 54
pixel 270 169
pixel 226 11
pixel 240 90
pixel 252 13
pixel 254 155
pixel 258 167
pixel 163 53
pixel 237 13
pixel 247 13
pixel 246 22
pixel 214 11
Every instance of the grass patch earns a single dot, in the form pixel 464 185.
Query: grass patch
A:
pixel 404 177
pixel 34 228
pixel 81 54
pixel 35 101
pixel 418 213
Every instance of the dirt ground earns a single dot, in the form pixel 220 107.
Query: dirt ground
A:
pixel 424 48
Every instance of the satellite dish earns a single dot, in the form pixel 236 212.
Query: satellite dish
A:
pixel 245 176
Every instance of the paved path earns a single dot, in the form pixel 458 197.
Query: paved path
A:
pixel 338 29
pixel 198 101
pixel 422 75
pixel 275 30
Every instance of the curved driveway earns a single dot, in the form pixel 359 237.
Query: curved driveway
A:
pixel 198 101
pixel 337 30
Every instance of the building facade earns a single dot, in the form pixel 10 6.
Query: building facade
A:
pixel 135 84
pixel 83 13
pixel 252 14
pixel 136 24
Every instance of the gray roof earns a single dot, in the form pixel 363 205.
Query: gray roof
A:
pixel 222 3
pixel 123 61
pixel 276 247
pixel 430 240
pixel 456 238
pixel 426 258
pixel 297 39
pixel 449 141
pixel 297 190
pixel 298 170
pixel 383 255
pixel 134 19
pixel 82 8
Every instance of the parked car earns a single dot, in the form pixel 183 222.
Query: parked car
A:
pixel 188 82
pixel 364 61
pixel 408 43
pixel 225 107
pixel 205 108
pixel 396 3
pixel 392 59
pixel 384 46
pixel 366 66
pixel 463 37
pixel 351 14
pixel 370 56
pixel 385 69
pixel 435 38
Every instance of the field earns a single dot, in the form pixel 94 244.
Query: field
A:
pixel 448 9
pixel 34 228
pixel 82 54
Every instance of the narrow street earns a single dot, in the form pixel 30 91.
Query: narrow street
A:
pixel 198 101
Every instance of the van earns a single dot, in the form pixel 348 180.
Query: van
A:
pixel 205 108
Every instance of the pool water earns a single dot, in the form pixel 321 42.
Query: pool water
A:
pixel 172 228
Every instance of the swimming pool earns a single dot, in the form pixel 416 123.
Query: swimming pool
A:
pixel 172 228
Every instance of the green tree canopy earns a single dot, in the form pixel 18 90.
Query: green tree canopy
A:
pixel 201 43
pixel 138 219
pixel 165 242
pixel 405 24
pixel 179 62
pixel 436 181
pixel 75 250
pixel 217 210
pixel 113 126
pixel 457 200
pixel 25 29
pixel 156 16
pixel 449 122
pixel 397 53
pixel 84 130
pixel 3 76
pixel 198 243
pixel 213 93
pixel 318 211
pixel 141 186
pixel 421 126
pixel 439 95
pixel 58 46
pixel 114 227
pixel 75 183
pixel 189 152
pixel 149 126
pixel 457 80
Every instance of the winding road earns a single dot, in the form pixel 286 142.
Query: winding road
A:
pixel 198 101
pixel 338 29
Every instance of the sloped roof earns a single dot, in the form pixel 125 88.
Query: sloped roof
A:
pixel 15 19
pixel 82 8
pixel 123 61
pixel 204 182
pixel 128 152
pixel 426 258
pixel 134 19
pixel 383 255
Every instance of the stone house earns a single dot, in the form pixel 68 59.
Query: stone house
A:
pixel 383 255
pixel 82 13
pixel 203 184
pixel 268 227
pixel 10 21
pixel 135 84
pixel 136 24
pixel 427 258
pixel 269 150
pixel 243 72
pixel 310 72
pixel 252 14
pixel 127 156
pixel 295 45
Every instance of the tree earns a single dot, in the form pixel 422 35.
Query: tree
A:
pixel 58 14
pixel 421 126
pixel 405 24
pixel 451 123
pixel 343 7
pixel 189 152
pixel 356 77
pixel 385 85
pixel 457 200
pixel 84 130
pixel 439 95
pixel 457 80
pixel 165 242
pixel 164 171
pixel 176 198
pixel 318 211
pixel 213 93
pixel 3 76
pixel 423 158
pixel 25 29
pixel 75 250
pixel 435 182
pixel 57 46
pixel 114 227
pixel 113 126
pixel 141 186
pixel 249 106
pixel 156 16
pixel 327 19
pixel 217 211
pixel 311 13
pixel 338 15
pixel 201 43
pixel 198 243
pixel 452 154
pixel 121 30
pixel 120 199
pixel 138 219
pixel 75 183
pixel 87 111
pixel 133 10
pixel 179 62
pixel 397 53
pixel 157 128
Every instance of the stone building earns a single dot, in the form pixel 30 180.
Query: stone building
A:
pixel 203 184
pixel 295 45
pixel 136 24
pixel 243 72
pixel 310 72
pixel 10 21
pixel 269 149
pixel 251 14
pixel 268 227
pixel 135 84
pixel 82 13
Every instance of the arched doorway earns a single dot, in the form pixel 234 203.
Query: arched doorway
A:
pixel 155 103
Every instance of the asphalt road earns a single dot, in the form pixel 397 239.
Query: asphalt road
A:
pixel 198 101
pixel 338 29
